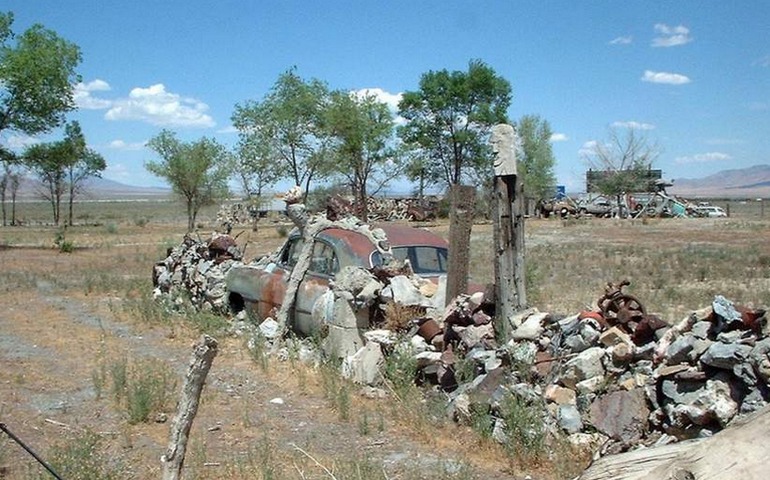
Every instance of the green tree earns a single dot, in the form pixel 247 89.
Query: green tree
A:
pixel 83 163
pixel 362 132
pixel 624 159
pixel 255 169
pixel 536 165
pixel 36 78
pixel 449 118
pixel 197 171
pixel 289 121
pixel 48 162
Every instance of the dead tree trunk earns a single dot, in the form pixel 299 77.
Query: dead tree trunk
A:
pixel 508 230
pixel 460 225
pixel 200 363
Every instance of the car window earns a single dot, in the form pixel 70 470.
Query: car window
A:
pixel 324 260
pixel 424 260
pixel 290 253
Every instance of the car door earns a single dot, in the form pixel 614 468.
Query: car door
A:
pixel 324 264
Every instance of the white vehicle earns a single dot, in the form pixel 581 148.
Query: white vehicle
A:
pixel 711 211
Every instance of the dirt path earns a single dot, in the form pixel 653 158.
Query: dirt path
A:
pixel 55 340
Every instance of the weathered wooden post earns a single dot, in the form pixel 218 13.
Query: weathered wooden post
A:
pixel 460 224
pixel 200 363
pixel 510 286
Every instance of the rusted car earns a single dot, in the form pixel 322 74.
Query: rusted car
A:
pixel 260 289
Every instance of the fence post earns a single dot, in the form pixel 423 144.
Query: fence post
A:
pixel 510 288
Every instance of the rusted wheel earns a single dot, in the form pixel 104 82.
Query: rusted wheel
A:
pixel 622 309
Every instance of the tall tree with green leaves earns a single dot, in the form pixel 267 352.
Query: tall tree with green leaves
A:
pixel 36 78
pixel 48 162
pixel 449 118
pixel 536 165
pixel 197 171
pixel 83 163
pixel 37 72
pixel 289 120
pixel 362 145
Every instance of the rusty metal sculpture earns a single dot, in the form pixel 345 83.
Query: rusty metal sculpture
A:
pixel 619 308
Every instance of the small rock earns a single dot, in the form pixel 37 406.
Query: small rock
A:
pixel 569 419
pixel 614 336
pixel 269 328
pixel 560 395
pixel 532 327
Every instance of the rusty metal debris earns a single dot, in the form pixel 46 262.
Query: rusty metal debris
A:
pixel 625 311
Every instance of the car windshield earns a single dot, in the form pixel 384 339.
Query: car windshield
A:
pixel 425 260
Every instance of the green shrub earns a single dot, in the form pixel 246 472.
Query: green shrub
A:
pixel 61 242
pixel 142 389
pixel 524 428
pixel 83 457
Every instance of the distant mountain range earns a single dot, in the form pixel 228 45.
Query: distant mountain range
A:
pixel 751 182
pixel 98 189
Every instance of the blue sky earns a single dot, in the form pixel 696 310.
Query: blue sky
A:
pixel 694 76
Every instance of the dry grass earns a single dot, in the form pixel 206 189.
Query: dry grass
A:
pixel 66 315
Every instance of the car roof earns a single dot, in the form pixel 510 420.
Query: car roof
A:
pixel 398 236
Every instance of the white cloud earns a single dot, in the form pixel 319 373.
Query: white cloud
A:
pixel 84 99
pixel 390 99
pixel 758 106
pixel 588 148
pixel 121 145
pixel 559 137
pixel 703 158
pixel 664 78
pixel 158 107
pixel 18 142
pixel 622 40
pixel 762 62
pixel 633 125
pixel 671 36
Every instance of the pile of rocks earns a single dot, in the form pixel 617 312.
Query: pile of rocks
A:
pixel 616 377
pixel 194 272
pixel 233 214
pixel 596 382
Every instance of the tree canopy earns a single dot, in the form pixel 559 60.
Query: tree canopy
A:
pixel 449 118
pixel 197 171
pixel 62 167
pixel 536 164
pixel 48 161
pixel 82 163
pixel 362 144
pixel 286 127
pixel 36 78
